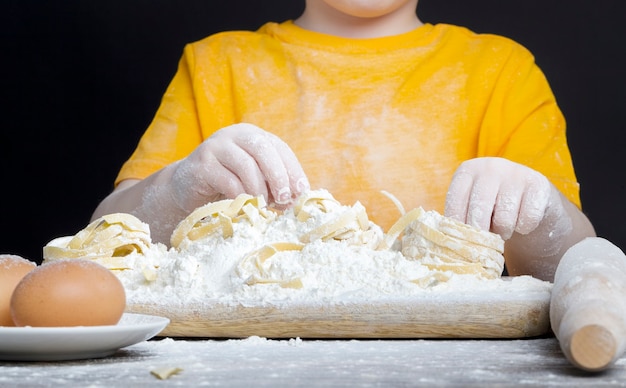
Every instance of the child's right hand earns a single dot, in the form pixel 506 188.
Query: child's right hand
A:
pixel 241 158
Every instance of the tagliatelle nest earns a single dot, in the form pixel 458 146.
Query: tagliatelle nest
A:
pixel 218 218
pixel 444 244
pixel 106 240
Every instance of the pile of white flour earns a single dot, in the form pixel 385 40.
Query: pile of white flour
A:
pixel 216 268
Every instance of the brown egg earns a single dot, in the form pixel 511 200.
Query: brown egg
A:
pixel 12 270
pixel 72 292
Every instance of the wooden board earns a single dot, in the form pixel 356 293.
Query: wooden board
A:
pixel 477 314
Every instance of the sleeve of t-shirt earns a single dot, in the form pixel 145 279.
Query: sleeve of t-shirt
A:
pixel 523 123
pixel 174 131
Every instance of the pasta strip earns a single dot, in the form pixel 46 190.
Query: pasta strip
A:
pixel 399 226
pixel 255 261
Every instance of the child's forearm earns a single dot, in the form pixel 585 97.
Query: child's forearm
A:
pixel 150 200
pixel 539 252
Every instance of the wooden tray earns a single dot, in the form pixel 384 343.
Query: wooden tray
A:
pixel 477 314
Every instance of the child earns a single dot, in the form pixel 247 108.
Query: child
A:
pixel 360 97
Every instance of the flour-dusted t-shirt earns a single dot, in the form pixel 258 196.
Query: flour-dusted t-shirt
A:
pixel 396 114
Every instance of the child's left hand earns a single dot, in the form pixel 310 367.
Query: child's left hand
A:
pixel 501 196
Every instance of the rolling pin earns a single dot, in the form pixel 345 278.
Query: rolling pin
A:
pixel 588 304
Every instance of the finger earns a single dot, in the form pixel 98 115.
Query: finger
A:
pixel 507 209
pixel 245 175
pixel 270 164
pixel 457 198
pixel 481 203
pixel 298 181
pixel 534 204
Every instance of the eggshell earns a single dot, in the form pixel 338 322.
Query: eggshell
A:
pixel 12 270
pixel 73 292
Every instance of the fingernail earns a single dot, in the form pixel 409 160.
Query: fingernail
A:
pixel 303 185
pixel 284 195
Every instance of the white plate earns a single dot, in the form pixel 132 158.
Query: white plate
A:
pixel 74 343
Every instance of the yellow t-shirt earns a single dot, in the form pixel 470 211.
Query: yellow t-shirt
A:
pixel 396 113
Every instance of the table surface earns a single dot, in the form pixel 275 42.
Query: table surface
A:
pixel 261 362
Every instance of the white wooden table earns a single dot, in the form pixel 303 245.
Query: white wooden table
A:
pixel 260 362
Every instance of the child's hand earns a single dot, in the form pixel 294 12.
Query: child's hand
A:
pixel 499 195
pixel 240 158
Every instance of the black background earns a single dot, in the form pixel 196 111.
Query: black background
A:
pixel 81 80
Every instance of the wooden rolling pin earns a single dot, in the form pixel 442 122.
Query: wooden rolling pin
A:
pixel 588 304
